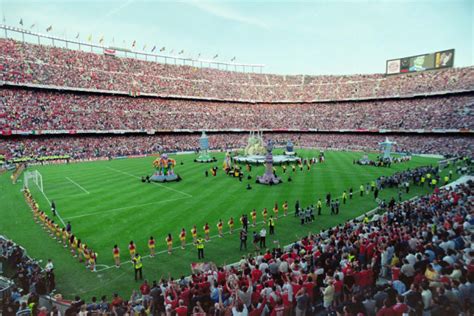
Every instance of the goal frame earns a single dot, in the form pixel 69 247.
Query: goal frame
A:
pixel 34 176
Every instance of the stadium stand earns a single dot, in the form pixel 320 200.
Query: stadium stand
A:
pixel 46 110
pixel 93 147
pixel 26 63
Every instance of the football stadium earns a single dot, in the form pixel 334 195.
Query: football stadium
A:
pixel 200 158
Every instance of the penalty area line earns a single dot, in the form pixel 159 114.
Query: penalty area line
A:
pixel 77 184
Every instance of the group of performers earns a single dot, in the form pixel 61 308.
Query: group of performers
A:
pixel 64 235
pixel 206 230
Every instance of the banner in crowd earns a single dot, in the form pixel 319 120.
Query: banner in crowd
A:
pixel 110 52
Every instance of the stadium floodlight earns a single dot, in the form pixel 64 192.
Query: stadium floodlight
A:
pixel 33 177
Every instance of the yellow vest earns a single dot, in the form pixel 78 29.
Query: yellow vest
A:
pixel 200 243
pixel 137 262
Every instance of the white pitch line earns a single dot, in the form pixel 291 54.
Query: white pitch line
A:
pixel 77 184
pixel 155 183
pixel 125 208
pixel 57 213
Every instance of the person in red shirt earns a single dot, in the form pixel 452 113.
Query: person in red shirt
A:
pixel 181 310
pixel 400 308
pixel 337 290
pixel 145 288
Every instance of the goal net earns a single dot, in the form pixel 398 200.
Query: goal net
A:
pixel 33 177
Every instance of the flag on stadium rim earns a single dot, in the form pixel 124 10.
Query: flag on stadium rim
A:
pixel 233 59
pixel 162 49
pixel 77 36
pixel 153 49
pixel 217 55
pixel 144 47
pixel 32 25
pixel 21 22
pixel 49 28
pixel 89 38
pixel 101 40
pixel 181 52
pixel 134 43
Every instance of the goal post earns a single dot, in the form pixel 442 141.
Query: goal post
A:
pixel 33 177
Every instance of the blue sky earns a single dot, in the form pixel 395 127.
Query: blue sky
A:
pixel 289 37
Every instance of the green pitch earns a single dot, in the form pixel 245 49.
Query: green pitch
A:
pixel 107 204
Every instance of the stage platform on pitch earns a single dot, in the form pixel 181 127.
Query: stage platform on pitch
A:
pixel 277 159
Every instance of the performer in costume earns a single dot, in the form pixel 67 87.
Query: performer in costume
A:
pixel 231 225
pixel 132 249
pixel 285 208
pixel 92 260
pixel 116 254
pixel 206 229
pixel 87 255
pixel 253 214
pixel 151 246
pixel 264 214
pixel 275 210
pixel 169 242
pixel 182 238
pixel 79 250
pixel 194 233
pixel 219 228
pixel 65 236
pixel 73 243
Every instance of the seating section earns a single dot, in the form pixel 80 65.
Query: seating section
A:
pixel 91 147
pixel 22 109
pixel 44 65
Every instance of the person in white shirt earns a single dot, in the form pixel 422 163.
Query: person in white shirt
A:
pixel 427 298
pixel 49 266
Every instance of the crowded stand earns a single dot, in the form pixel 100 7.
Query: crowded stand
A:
pixel 91 147
pixel 415 259
pixel 26 63
pixel 22 109
pixel 30 280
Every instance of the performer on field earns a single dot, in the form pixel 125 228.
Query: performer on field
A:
pixel 92 260
pixel 132 249
pixel 253 215
pixel 220 225
pixel 275 210
pixel 285 208
pixel 194 233
pixel 230 223
pixel 116 254
pixel 264 214
pixel 344 197
pixel 182 238
pixel 169 242
pixel 151 246
pixel 206 229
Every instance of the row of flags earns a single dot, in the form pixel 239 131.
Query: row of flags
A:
pixel 134 43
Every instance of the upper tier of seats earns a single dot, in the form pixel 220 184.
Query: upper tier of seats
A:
pixel 27 63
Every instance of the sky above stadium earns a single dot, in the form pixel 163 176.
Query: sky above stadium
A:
pixel 289 37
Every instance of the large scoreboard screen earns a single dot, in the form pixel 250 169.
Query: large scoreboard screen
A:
pixel 438 60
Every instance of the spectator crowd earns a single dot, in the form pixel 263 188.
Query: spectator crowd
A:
pixel 30 280
pixel 22 109
pixel 22 62
pixel 87 147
